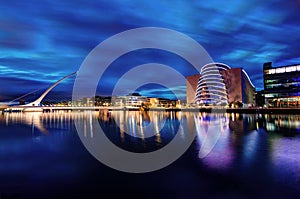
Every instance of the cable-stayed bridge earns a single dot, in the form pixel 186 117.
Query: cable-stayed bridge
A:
pixel 37 105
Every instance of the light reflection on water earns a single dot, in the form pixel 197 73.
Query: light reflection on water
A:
pixel 247 143
pixel 208 124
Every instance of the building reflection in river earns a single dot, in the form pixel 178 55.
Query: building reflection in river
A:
pixel 241 136
pixel 215 125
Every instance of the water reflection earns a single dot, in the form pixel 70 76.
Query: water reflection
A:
pixel 139 124
pixel 38 120
pixel 289 123
pixel 261 147
pixel 237 142
pixel 286 161
pixel 143 124
pixel 208 126
pixel 241 122
pixel 141 129
pixel 29 142
pixel 246 143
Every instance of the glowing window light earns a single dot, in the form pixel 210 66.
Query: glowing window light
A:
pixel 290 68
pixel 298 67
pixel 269 95
pixel 280 70
pixel 272 71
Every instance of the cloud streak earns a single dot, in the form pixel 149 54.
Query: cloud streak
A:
pixel 42 41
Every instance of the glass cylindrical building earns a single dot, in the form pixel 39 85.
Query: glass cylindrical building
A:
pixel 211 88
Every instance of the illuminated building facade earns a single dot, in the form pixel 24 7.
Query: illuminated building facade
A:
pixel 219 84
pixel 162 102
pixel 282 85
pixel 131 100
pixel 211 88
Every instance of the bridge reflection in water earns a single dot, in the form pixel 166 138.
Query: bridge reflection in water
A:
pixel 260 148
pixel 134 123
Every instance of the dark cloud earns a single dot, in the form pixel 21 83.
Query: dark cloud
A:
pixel 12 87
pixel 42 41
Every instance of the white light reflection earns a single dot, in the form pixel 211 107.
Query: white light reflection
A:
pixel 222 154
pixel 141 124
pixel 32 119
pixel 38 122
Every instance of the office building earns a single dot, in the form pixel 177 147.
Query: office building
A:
pixel 281 85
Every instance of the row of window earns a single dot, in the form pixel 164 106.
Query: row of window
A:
pixel 285 85
pixel 286 69
pixel 278 95
pixel 270 81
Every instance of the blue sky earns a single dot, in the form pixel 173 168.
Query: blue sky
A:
pixel 42 41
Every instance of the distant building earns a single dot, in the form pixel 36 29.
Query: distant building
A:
pixel 162 102
pixel 102 100
pixel 282 85
pixel 218 84
pixel 153 102
pixel 87 101
pixel 131 100
pixel 75 103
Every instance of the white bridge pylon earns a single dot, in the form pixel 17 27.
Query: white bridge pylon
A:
pixel 38 101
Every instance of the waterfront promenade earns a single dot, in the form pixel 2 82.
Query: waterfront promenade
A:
pixel 253 110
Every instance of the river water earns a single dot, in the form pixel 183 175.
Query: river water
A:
pixel 254 156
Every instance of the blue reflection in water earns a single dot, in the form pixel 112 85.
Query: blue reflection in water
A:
pixel 264 148
pixel 25 137
pixel 206 126
pixel 140 131
pixel 42 150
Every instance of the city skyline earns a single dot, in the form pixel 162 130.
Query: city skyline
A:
pixel 44 41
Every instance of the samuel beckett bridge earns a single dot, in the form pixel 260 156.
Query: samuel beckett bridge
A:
pixel 36 105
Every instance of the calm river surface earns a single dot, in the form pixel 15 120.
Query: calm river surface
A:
pixel 255 156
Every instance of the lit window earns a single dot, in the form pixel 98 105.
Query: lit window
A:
pixel 271 81
pixel 269 95
pixel 280 70
pixel 272 71
pixel 291 68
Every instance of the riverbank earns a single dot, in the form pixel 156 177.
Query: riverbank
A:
pixel 190 109
pixel 242 110
pixel 222 110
